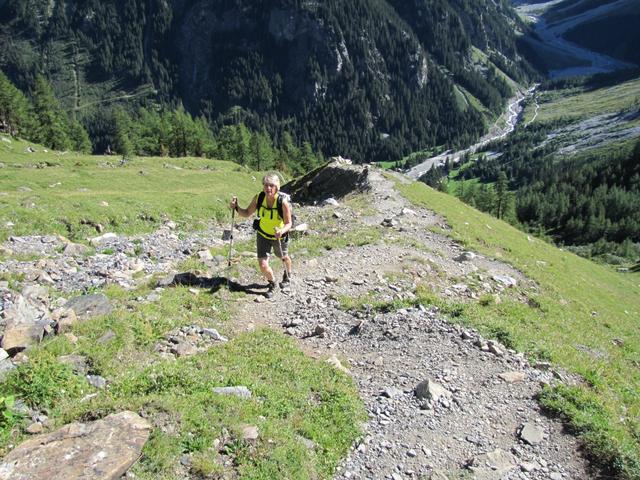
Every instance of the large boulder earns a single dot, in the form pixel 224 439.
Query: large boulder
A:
pixel 335 180
pixel 104 449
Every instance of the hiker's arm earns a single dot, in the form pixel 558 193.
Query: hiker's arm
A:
pixel 247 212
pixel 286 212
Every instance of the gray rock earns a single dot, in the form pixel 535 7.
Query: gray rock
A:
pixel 391 392
pixel 205 255
pixel 432 391
pixel 531 433
pixel 6 366
pixel 65 319
pixel 184 349
pixel 97 381
pixel 213 333
pixel 23 328
pixel 89 306
pixel 331 202
pixel 35 428
pixel 512 377
pixel 505 280
pixel 103 239
pixel 493 465
pixel 465 257
pixel 250 433
pixel 36 294
pixel 75 249
pixel 240 391
pixel 104 449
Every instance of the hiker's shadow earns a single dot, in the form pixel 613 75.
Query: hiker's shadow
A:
pixel 216 283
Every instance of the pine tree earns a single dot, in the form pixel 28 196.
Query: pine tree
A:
pixel 122 143
pixel 182 133
pixel 79 137
pixel 52 123
pixel 15 115
pixel 501 194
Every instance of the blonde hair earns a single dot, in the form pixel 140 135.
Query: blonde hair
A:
pixel 272 178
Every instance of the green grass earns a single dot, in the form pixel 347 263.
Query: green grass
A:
pixel 51 193
pixel 474 102
pixel 324 236
pixel 584 318
pixel 579 103
pixel 294 397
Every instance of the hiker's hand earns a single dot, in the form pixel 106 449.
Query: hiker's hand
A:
pixel 278 233
pixel 234 204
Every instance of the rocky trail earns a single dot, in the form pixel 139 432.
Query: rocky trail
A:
pixel 443 401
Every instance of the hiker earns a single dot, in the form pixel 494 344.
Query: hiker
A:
pixel 272 225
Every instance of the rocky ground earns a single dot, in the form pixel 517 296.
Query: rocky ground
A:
pixel 443 402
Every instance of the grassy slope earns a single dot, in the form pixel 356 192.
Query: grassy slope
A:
pixel 49 192
pixel 294 397
pixel 580 103
pixel 584 318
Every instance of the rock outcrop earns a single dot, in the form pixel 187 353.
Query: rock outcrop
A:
pixel 104 449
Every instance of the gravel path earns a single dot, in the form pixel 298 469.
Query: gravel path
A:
pixel 478 416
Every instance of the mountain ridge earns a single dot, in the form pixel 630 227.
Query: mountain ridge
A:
pixel 362 80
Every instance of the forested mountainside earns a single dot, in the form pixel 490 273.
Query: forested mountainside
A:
pixel 371 79
pixel 570 171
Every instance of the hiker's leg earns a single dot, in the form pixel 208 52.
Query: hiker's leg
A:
pixel 281 249
pixel 287 263
pixel 263 247
pixel 266 269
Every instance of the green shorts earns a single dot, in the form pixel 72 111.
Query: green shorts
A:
pixel 264 246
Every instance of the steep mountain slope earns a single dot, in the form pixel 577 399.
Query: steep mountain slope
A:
pixel 370 79
pixel 614 31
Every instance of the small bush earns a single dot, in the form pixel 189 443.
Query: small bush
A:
pixel 43 381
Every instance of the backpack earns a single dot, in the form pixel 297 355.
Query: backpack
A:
pixel 281 197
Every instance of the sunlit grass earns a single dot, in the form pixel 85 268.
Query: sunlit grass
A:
pixel 69 194
pixel 584 318
pixel 580 103
pixel 293 397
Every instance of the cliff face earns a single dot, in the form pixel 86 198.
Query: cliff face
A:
pixel 301 56
pixel 213 45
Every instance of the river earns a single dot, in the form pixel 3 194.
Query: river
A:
pixel 503 127
pixel 551 36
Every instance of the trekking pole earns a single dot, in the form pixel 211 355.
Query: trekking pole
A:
pixel 233 224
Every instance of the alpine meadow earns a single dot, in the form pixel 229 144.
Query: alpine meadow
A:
pixel 303 240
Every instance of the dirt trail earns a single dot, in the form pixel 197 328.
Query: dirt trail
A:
pixel 482 419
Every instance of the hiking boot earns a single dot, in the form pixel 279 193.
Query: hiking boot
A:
pixel 286 281
pixel 270 289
